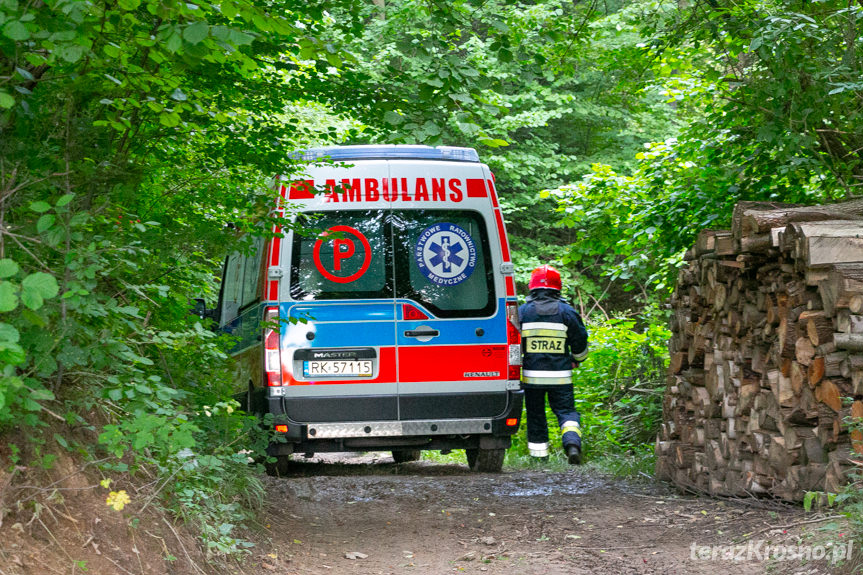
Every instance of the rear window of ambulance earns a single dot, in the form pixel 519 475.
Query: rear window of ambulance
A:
pixel 351 259
pixel 438 258
pixel 443 261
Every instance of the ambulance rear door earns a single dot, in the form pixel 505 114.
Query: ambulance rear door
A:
pixel 450 315
pixel 339 356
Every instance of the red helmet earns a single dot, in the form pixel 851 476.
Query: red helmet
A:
pixel 544 277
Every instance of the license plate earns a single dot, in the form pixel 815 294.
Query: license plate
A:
pixel 351 368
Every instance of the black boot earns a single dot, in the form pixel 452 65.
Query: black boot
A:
pixel 573 454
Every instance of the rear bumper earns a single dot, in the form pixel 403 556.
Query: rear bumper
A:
pixel 428 433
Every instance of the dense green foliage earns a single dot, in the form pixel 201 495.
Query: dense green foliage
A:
pixel 136 139
pixel 771 95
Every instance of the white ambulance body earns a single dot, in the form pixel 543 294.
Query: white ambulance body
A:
pixel 398 318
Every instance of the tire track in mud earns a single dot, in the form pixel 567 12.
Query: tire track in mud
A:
pixel 364 515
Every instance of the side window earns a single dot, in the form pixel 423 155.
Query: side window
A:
pixel 232 287
pixel 252 273
pixel 443 261
pixel 350 259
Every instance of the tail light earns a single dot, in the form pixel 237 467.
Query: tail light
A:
pixel 513 338
pixel 272 355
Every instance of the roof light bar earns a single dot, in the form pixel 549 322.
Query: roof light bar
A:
pixel 385 152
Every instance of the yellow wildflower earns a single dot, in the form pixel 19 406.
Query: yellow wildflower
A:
pixel 106 483
pixel 118 499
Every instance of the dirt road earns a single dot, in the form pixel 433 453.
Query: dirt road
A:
pixel 365 515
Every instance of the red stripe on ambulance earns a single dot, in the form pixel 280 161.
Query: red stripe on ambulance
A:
pixel 504 244
pixel 354 190
pixel 493 192
pixel 274 258
pixel 476 188
pixel 301 190
pixel 463 362
pixel 510 286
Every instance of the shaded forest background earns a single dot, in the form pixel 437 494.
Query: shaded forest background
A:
pixel 137 138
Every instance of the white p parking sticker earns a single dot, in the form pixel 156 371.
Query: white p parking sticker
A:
pixel 446 254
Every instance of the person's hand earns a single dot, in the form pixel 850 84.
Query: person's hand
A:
pixel 575 364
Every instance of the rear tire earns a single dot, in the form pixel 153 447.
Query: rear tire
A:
pixel 280 467
pixel 485 460
pixel 406 455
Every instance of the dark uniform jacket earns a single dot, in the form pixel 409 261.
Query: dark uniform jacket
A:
pixel 553 336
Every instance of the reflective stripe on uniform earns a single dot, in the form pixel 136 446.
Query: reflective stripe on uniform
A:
pixel 568 426
pixel 538 449
pixel 543 333
pixel 549 325
pixel 547 373
pixel 580 356
pixel 546 380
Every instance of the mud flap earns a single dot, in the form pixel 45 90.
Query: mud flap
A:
pixel 493 442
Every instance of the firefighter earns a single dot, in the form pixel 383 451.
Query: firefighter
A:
pixel 554 341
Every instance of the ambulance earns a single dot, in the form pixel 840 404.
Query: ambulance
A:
pixel 385 316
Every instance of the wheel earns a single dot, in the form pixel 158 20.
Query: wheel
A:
pixel 406 455
pixel 280 467
pixel 487 460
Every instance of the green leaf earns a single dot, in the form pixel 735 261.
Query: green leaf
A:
pixel 45 222
pixel 229 9
pixel 393 118
pixel 70 52
pixel 8 296
pixel 45 284
pixel 174 43
pixel 15 30
pixel 169 119
pixel 111 50
pixel 808 499
pixel 32 299
pixel 196 32
pixel 8 268
pixel 6 100
pixel 33 318
pixel 238 38
pixel 494 142
pixel 40 207
pixel 41 395
pixel 46 365
pixel 12 353
pixel 64 199
pixel 129 4
pixel 468 128
pixel 36 288
pixel 9 333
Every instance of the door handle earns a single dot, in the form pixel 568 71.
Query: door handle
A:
pixel 422 333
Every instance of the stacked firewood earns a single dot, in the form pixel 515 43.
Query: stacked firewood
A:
pixel 766 366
